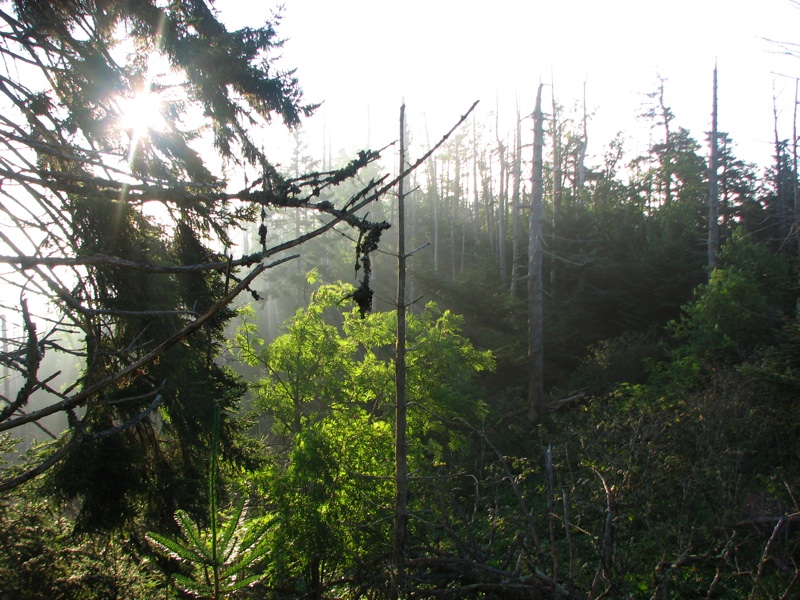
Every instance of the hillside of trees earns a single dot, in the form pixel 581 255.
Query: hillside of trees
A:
pixel 324 383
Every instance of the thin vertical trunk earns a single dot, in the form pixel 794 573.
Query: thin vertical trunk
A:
pixel 723 191
pixel 780 191
pixel 455 206
pixel 501 197
pixel 299 263
pixel 463 243
pixel 325 165
pixel 713 192
pixel 667 151
pixel 535 315
pixel 6 378
pixel 488 199
pixel 329 146
pixel 412 231
pixel 502 213
pixel 401 450
pixel 436 208
pixel 556 140
pixel 584 147
pixel 796 203
pixel 475 193
pixel 516 229
pixel 795 192
pixel 551 510
pixel 434 191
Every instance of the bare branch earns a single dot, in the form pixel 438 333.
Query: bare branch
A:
pixel 85 395
pixel 14 482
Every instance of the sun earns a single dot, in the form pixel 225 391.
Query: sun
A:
pixel 141 113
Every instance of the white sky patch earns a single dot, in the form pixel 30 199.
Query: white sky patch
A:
pixel 362 58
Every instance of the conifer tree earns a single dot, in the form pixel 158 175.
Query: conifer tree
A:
pixel 117 236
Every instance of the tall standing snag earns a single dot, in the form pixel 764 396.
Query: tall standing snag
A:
pixel 397 583
pixel 713 193
pixel 535 315
pixel 516 234
pixel 401 408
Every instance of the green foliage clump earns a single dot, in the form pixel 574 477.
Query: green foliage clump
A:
pixel 217 558
pixel 42 557
pixel 739 310
pixel 327 394
pixel 220 558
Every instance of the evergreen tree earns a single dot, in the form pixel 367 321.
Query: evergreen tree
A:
pixel 119 234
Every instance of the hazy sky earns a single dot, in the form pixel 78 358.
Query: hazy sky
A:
pixel 362 58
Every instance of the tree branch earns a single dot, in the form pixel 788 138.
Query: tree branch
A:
pixel 83 397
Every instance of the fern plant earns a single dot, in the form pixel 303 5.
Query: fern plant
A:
pixel 221 555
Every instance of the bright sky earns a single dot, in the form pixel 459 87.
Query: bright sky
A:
pixel 363 57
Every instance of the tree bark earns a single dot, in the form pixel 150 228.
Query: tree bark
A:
pixel 780 188
pixel 434 191
pixel 516 252
pixel 795 193
pixel 666 164
pixel 455 210
pixel 556 139
pixel 502 195
pixel 400 449
pixel 557 175
pixel 713 192
pixel 584 146
pixel 535 316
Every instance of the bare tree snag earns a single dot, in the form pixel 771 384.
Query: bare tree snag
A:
pixel 584 147
pixel 535 316
pixel 516 234
pixel 401 409
pixel 502 209
pixel 713 193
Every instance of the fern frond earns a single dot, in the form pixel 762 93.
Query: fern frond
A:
pixel 173 548
pixel 247 559
pixel 194 538
pixel 189 585
pixel 243 583
pixel 227 542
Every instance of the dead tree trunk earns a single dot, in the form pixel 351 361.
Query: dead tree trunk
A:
pixel 434 193
pixel 795 193
pixel 556 139
pixel 455 213
pixel 535 315
pixel 713 193
pixel 502 195
pixel 666 161
pixel 516 234
pixel 582 156
pixel 557 175
pixel 400 448
pixel 780 188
